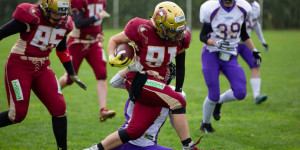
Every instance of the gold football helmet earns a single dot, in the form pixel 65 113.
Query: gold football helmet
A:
pixel 61 7
pixel 169 21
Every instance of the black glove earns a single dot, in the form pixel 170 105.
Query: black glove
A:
pixel 266 47
pixel 257 57
pixel 78 81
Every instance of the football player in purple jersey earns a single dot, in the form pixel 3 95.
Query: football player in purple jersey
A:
pixel 157 41
pixel 42 27
pixel 223 28
pixel 85 42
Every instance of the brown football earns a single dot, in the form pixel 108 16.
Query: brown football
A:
pixel 126 50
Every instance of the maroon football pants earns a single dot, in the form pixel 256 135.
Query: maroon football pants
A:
pixel 23 75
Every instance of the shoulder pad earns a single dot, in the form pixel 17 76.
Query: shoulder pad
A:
pixel 206 10
pixel 187 39
pixel 69 24
pixel 80 4
pixel 27 13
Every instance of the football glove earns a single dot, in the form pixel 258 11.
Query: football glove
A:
pixel 117 62
pixel 257 57
pixel 266 47
pixel 135 67
pixel 102 14
pixel 221 44
pixel 78 81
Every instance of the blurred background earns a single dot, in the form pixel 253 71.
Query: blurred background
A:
pixel 276 14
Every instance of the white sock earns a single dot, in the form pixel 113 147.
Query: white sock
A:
pixel 208 109
pixel 227 97
pixel 255 84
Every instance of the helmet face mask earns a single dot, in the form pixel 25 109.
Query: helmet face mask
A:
pixel 60 7
pixel 169 21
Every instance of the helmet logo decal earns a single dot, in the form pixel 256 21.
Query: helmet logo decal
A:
pixel 179 18
pixel 62 4
pixel 162 14
pixel 141 29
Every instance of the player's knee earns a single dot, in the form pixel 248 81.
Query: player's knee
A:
pixel 240 94
pixel 179 111
pixel 101 75
pixel 136 132
pixel 17 117
pixel 124 136
pixel 215 97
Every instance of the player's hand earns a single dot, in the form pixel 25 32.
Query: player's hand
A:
pixel 221 44
pixel 266 47
pixel 78 81
pixel 117 62
pixel 135 67
pixel 102 14
pixel 257 57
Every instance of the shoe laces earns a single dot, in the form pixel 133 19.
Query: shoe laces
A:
pixel 194 146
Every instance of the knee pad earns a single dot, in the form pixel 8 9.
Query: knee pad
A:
pixel 240 94
pixel 179 111
pixel 124 135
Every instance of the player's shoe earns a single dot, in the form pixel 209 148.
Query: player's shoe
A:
pixel 207 128
pixel 105 113
pixel 260 98
pixel 94 147
pixel 217 112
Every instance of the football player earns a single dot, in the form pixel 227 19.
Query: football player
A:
pixel 243 50
pixel 85 41
pixel 148 140
pixel 158 41
pixel 223 25
pixel 42 28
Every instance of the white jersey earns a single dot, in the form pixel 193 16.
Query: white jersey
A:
pixel 253 22
pixel 226 22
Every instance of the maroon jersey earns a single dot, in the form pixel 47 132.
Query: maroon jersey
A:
pixel 153 52
pixel 90 9
pixel 41 37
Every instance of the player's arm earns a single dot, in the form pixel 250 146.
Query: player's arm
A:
pixel 12 27
pixel 204 35
pixel 81 22
pixel 114 41
pixel 63 54
pixel 258 31
pixel 248 42
pixel 180 71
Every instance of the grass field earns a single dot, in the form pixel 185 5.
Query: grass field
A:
pixel 272 125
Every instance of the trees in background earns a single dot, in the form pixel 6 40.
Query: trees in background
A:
pixel 277 14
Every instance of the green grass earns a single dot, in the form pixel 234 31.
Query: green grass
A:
pixel 274 124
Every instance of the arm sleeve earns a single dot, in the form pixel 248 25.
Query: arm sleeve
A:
pixel 204 35
pixel 258 31
pixel 80 21
pixel 244 34
pixel 12 27
pixel 69 68
pixel 63 53
pixel 62 45
pixel 180 71
pixel 118 82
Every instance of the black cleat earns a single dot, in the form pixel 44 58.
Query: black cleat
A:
pixel 217 112
pixel 260 98
pixel 207 128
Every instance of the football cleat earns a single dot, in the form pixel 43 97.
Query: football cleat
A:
pixel 94 147
pixel 207 128
pixel 105 113
pixel 260 98
pixel 217 112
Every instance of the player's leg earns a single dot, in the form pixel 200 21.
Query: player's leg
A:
pixel 77 56
pixel 237 79
pixel 142 118
pixel 47 89
pixel 18 86
pixel 210 69
pixel 255 80
pixel 97 61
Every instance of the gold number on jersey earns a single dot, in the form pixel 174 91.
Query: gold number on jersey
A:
pixel 46 37
pixel 93 10
pixel 156 55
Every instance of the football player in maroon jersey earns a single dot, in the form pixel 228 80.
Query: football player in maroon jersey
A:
pixel 86 42
pixel 42 27
pixel 158 41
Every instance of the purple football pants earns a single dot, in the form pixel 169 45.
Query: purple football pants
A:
pixel 129 146
pixel 211 67
pixel 246 54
